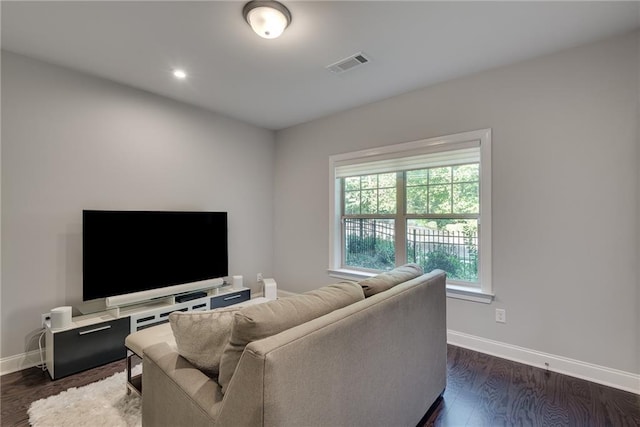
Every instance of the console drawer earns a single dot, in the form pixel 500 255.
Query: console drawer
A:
pixel 230 298
pixel 83 348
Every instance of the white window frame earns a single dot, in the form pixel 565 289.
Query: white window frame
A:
pixel 483 293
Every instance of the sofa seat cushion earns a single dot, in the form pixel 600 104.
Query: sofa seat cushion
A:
pixel 264 320
pixel 140 340
pixel 389 279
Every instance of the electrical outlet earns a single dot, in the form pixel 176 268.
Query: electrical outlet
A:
pixel 45 317
pixel 259 278
pixel 501 315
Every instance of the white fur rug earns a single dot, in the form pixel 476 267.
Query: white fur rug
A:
pixel 103 403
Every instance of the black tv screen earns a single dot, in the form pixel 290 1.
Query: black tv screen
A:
pixel 132 251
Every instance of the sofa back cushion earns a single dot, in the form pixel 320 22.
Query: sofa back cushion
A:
pixel 264 320
pixel 389 279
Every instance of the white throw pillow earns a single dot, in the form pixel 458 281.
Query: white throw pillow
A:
pixel 201 336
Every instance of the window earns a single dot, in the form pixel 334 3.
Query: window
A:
pixel 426 202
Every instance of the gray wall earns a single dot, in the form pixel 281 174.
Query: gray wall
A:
pixel 73 142
pixel 638 220
pixel 565 195
pixel 566 219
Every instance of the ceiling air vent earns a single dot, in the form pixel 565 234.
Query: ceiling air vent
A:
pixel 349 63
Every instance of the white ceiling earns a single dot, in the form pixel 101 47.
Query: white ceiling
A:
pixel 279 83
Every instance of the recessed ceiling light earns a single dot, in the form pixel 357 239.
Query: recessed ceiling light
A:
pixel 179 74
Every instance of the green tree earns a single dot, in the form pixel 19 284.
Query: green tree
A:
pixel 442 259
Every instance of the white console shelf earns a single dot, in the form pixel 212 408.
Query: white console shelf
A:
pixel 156 312
pixel 98 338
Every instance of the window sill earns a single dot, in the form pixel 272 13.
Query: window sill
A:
pixel 343 273
pixel 468 294
pixel 453 291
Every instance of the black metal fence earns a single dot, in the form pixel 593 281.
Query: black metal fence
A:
pixel 370 243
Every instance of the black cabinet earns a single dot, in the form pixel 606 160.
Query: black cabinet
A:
pixel 87 347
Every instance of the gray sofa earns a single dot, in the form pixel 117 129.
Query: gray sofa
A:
pixel 380 361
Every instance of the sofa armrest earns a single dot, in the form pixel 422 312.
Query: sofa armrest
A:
pixel 175 392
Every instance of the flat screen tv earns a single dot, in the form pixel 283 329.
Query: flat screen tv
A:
pixel 133 251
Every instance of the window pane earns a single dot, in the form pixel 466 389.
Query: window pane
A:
pixel 417 200
pixel 369 181
pixel 369 243
pixel 387 180
pixel 466 198
pixel 370 194
pixel 419 177
pixel 368 201
pixel 351 202
pixel 440 199
pixel 352 183
pixel 440 175
pixel 466 173
pixel 450 245
pixel 387 201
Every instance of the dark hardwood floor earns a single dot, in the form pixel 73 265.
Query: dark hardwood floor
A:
pixel 481 390
pixel 21 388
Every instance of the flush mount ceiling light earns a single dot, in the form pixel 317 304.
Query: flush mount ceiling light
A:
pixel 179 74
pixel 267 18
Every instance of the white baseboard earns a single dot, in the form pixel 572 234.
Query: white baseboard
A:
pixel 19 362
pixel 622 380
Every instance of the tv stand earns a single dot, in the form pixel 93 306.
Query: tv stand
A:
pixel 98 338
